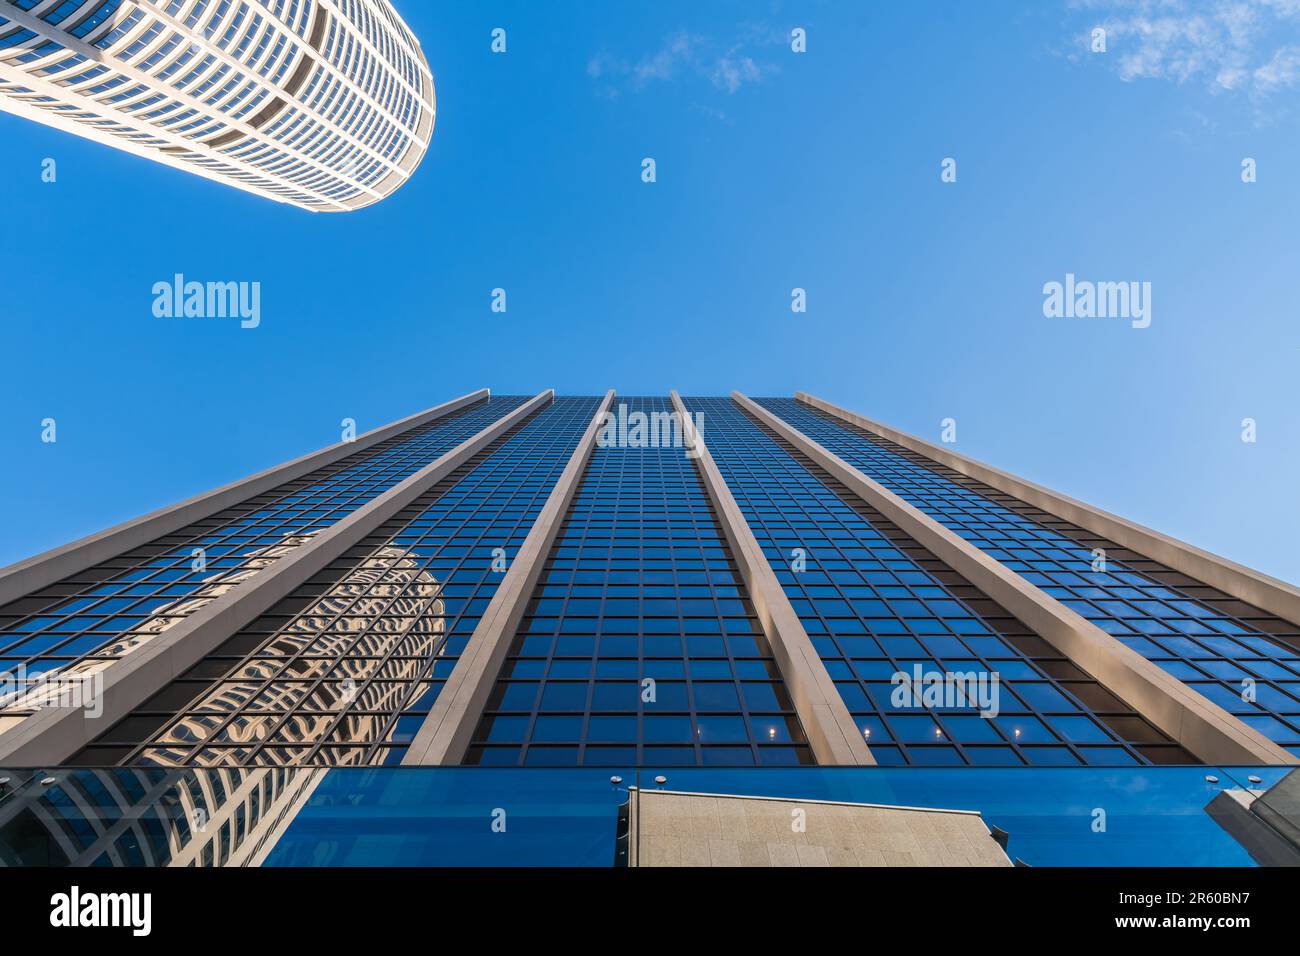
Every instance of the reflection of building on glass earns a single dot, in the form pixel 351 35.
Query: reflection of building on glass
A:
pixel 49 689
pixel 336 675
pixel 227 817
pixel 324 104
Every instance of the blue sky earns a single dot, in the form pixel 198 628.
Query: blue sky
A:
pixel 775 170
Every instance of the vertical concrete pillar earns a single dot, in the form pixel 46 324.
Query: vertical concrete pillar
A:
pixel 445 735
pixel 1245 584
pixel 1204 729
pixel 37 572
pixel 832 732
pixel 52 735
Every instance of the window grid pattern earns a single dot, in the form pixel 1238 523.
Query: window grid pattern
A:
pixel 1242 658
pixel 85 622
pixel 876 604
pixel 640 646
pixel 345 669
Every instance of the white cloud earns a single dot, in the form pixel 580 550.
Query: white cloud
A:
pixel 684 56
pixel 678 51
pixel 1283 70
pixel 1250 46
pixel 731 73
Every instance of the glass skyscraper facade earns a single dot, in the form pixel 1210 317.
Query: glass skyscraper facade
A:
pixel 877 604
pixel 640 645
pixel 669 594
pixel 105 613
pixel 343 670
pixel 1214 643
pixel 324 104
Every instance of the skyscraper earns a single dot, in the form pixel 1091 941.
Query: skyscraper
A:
pixel 660 581
pixel 324 104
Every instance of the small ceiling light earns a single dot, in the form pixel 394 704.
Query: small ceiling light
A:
pixel 1254 779
pixel 47 781
pixel 1211 778
pixel 661 780
pixel 616 780
pixel 771 732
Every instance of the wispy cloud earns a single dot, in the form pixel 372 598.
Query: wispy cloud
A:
pixel 685 56
pixel 1248 46
pixel 730 73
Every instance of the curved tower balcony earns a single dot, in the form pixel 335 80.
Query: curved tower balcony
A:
pixel 327 105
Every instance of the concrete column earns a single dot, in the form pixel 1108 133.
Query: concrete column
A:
pixel 1276 597
pixel 1206 730
pixel 831 730
pixel 37 572
pixel 54 734
pixel 445 735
